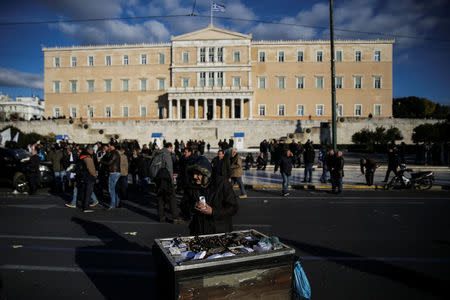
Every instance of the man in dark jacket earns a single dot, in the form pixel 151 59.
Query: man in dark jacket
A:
pixel 308 158
pixel 337 173
pixel 208 202
pixel 221 165
pixel 261 162
pixel 114 174
pixel 85 185
pixel 393 163
pixel 286 171
pixel 33 171
pixel 58 169
pixel 368 166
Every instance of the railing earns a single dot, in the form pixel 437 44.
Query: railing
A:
pixel 210 89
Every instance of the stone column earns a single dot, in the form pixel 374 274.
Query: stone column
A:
pixel 214 115
pixel 170 109
pixel 250 107
pixel 196 109
pixel 224 102
pixel 178 109
pixel 187 109
pixel 205 109
pixel 232 109
pixel 242 108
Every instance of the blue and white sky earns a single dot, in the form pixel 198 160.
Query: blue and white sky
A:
pixel 421 53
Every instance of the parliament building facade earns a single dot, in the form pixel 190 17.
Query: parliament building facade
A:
pixel 218 74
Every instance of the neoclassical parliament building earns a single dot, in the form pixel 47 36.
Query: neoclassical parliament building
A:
pixel 218 74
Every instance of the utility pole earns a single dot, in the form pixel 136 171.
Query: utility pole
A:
pixel 333 86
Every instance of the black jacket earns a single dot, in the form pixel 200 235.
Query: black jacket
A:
pixel 286 165
pixel 338 167
pixel 114 162
pixel 309 155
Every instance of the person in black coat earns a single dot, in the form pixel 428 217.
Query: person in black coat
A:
pixel 220 204
pixel 368 166
pixel 393 163
pixel 337 173
pixel 308 158
pixel 33 171
pixel 286 162
pixel 261 162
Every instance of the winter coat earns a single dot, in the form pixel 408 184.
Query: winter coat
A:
pixel 309 155
pixel 225 169
pixel 286 165
pixel 113 163
pixel 338 167
pixel 236 166
pixel 123 165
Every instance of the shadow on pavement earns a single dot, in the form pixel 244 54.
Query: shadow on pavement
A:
pixel 120 269
pixel 410 278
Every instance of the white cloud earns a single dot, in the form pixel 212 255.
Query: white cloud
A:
pixel 14 78
pixel 85 9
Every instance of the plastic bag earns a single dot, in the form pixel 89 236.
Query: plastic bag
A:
pixel 301 283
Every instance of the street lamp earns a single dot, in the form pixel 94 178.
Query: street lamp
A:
pixel 333 87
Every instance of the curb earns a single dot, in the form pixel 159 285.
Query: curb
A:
pixel 325 187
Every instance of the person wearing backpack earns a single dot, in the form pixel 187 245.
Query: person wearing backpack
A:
pixel 86 180
pixel 114 174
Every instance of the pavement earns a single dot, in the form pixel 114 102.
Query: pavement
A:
pixel 357 245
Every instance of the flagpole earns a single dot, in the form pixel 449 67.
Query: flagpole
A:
pixel 210 4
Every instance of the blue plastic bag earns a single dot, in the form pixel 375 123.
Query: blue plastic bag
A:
pixel 301 283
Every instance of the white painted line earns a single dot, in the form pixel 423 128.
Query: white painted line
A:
pixel 56 238
pixel 119 272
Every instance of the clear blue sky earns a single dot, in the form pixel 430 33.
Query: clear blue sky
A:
pixel 421 28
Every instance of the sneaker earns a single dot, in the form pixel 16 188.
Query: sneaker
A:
pixel 15 192
pixel 70 205
pixel 243 196
pixel 285 194
pixel 88 211
pixel 93 204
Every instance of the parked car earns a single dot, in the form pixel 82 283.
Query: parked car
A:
pixel 13 166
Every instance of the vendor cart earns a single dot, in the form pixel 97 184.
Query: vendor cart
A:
pixel 259 274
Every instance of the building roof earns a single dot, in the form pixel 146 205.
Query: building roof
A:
pixel 211 33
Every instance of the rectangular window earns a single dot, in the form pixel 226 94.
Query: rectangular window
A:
pixel 73 60
pixel 377 82
pixel 280 56
pixel 281 82
pixel 211 54
pixel 319 109
pixel 300 110
pixel 90 86
pixel 108 85
pixel 73 86
pixel 108 60
pixel 377 56
pixel 57 112
pixel 262 56
pixel 237 56
pixel 185 82
pixel 262 109
pixel 125 60
pixel 261 82
pixel 90 111
pixel 161 58
pixel 300 56
pixel 90 61
pixel 161 84
pixel 220 54
pixel 143 111
pixel 143 59
pixel 203 54
pixel 211 79
pixel 73 112
pixel 339 55
pixel 319 82
pixel 358 110
pixel 108 111
pixel 125 111
pixel 56 62
pixel 377 109
pixel 281 109
pixel 202 79
pixel 340 110
pixel 125 83
pixel 236 81
pixel 143 85
pixel 338 82
pixel 219 78
pixel 358 82
pixel 185 57
pixel 56 86
pixel 357 55
pixel 300 82
pixel 319 56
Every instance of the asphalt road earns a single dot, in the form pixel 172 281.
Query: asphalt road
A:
pixel 358 245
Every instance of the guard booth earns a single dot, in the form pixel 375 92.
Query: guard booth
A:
pixel 158 137
pixel 239 140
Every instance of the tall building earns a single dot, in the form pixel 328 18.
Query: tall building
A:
pixel 219 74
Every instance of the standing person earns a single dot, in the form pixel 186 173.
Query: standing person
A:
pixel 188 159
pixel 122 184
pixel 208 146
pixel 33 171
pixel 58 169
pixel 221 166
pixel 392 163
pixel 113 165
pixel 327 162
pixel 263 148
pixel 286 171
pixel 208 202
pixel 86 179
pixel 236 172
pixel 337 173
pixel 261 162
pixel 369 164
pixel 308 158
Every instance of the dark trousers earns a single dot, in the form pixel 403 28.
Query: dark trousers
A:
pixel 308 172
pixel 369 177
pixel 34 180
pixel 166 196
pixel 336 182
pixel 86 192
pixel 122 187
pixel 389 170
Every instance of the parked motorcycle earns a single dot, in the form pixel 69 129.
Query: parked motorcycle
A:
pixel 418 180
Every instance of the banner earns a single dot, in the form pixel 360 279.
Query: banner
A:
pixel 5 136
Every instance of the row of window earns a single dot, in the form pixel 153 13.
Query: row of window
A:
pixel 281 109
pixel 301 82
pixel 108 112
pixel 213 54
pixel 74 88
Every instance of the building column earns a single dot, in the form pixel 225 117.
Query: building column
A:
pixel 170 109
pixel 232 109
pixel 205 109
pixel 224 102
pixel 187 109
pixel 242 108
pixel 178 109
pixel 214 115
pixel 196 109
pixel 250 107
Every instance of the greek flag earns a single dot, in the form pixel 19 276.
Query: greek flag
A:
pixel 217 7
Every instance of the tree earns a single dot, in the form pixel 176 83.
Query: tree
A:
pixel 415 107
pixel 435 133
pixel 393 134
pixel 376 139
